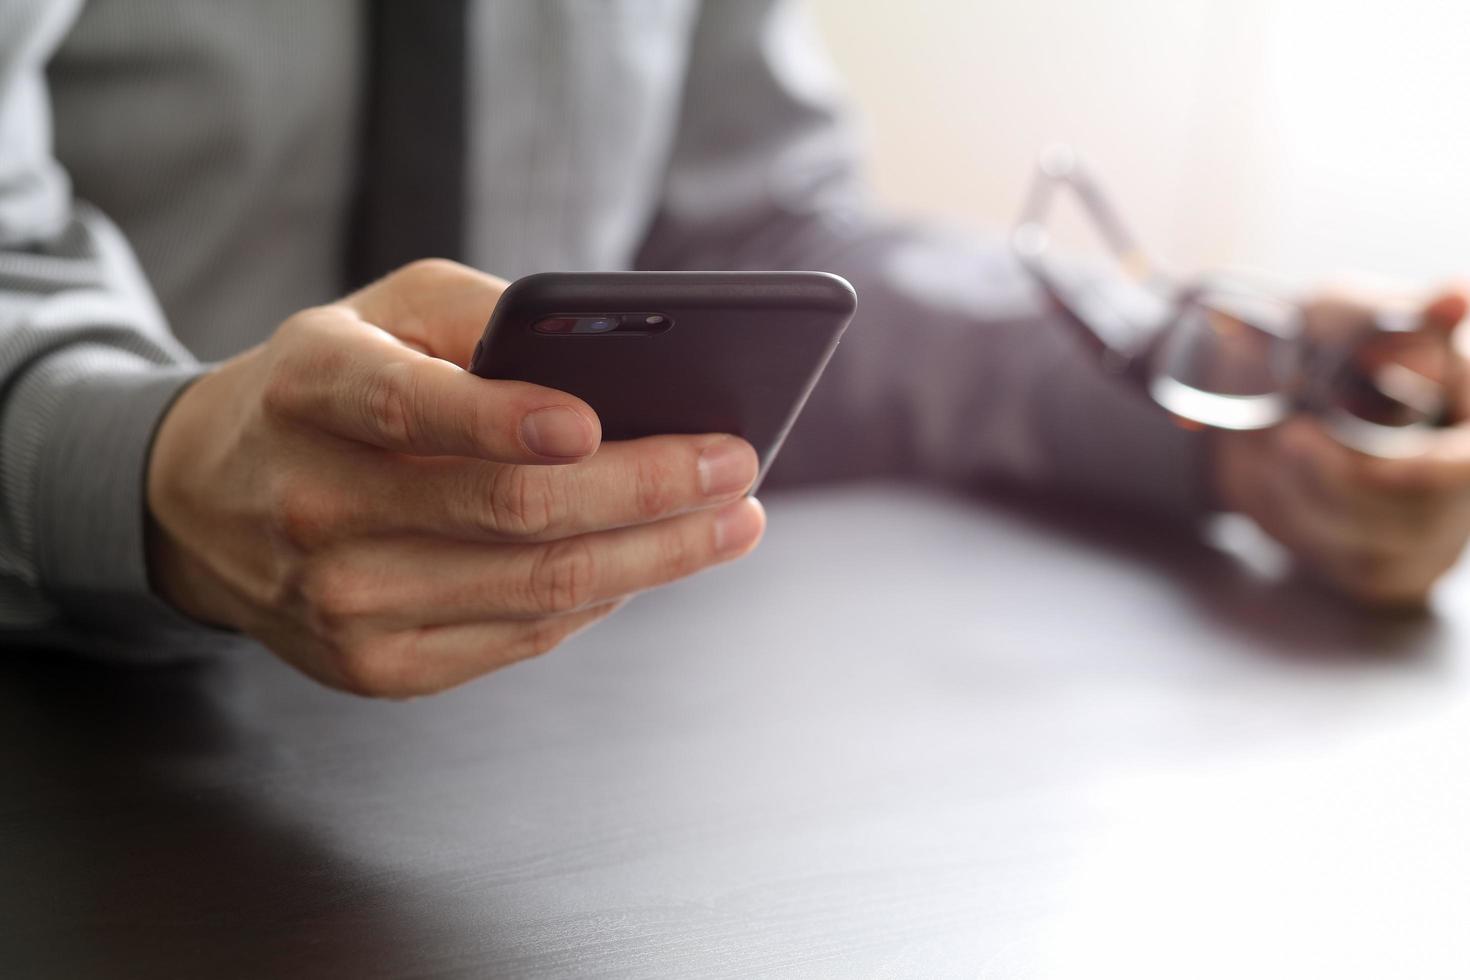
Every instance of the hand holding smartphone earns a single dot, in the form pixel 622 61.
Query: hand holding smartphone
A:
pixel 658 353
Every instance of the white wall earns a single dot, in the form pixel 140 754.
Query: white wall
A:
pixel 1310 137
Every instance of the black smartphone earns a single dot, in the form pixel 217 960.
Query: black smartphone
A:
pixel 658 353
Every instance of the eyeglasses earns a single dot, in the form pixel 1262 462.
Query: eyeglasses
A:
pixel 1222 353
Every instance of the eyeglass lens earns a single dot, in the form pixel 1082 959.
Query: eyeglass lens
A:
pixel 1227 360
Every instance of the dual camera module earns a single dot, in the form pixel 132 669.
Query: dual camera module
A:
pixel 613 323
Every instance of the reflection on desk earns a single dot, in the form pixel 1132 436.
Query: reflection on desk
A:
pixel 912 736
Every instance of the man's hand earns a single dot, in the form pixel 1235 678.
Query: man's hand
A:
pixel 1381 530
pixel 391 524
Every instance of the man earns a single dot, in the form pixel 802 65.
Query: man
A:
pixel 179 178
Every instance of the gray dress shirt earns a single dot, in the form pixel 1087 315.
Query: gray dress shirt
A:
pixel 176 178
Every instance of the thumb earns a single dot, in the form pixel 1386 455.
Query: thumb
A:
pixel 1446 310
pixel 434 305
pixel 1439 318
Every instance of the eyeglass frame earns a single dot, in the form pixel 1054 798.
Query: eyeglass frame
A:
pixel 1059 169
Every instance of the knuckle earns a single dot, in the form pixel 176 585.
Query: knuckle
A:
pixel 438 274
pixel 523 501
pixel 487 426
pixel 300 513
pixel 306 348
pixel 388 404
pixel 333 596
pixel 564 577
pixel 677 555
pixel 370 668
pixel 281 390
pixel 427 272
pixel 308 325
pixel 654 489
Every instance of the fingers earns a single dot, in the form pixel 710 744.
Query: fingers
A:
pixel 1383 530
pixel 427 660
pixel 455 654
pixel 406 583
pixel 358 383
pixel 1344 313
pixel 1437 475
pixel 1444 314
pixel 1347 485
pixel 624 483
pixel 1385 496
pixel 1446 310
pixel 1341 553
pixel 438 306
pixel 403 618
pixel 1320 488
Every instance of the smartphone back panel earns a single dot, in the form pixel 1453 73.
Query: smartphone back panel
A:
pixel 735 352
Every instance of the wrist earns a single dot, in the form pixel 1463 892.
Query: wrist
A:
pixel 178 572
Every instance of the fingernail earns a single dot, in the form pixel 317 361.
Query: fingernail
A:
pixel 726 466
pixel 558 431
pixel 737 526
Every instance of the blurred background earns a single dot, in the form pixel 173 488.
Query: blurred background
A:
pixel 1311 138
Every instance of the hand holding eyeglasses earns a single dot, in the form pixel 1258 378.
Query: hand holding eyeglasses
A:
pixel 1337 424
pixel 1381 529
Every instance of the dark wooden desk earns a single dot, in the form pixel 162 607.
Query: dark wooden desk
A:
pixel 912 737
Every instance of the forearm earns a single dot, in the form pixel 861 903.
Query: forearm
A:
pixel 87 367
pixel 977 382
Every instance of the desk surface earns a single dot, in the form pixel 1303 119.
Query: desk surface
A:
pixel 910 737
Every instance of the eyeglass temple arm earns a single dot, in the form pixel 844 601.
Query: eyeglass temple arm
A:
pixel 1060 168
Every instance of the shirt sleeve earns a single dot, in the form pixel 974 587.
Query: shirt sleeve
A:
pixel 953 368
pixel 87 367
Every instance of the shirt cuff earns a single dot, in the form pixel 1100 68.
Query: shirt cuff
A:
pixel 90 503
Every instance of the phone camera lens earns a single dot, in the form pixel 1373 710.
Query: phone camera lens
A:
pixel 600 325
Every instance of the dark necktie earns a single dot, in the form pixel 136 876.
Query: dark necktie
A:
pixel 410 196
